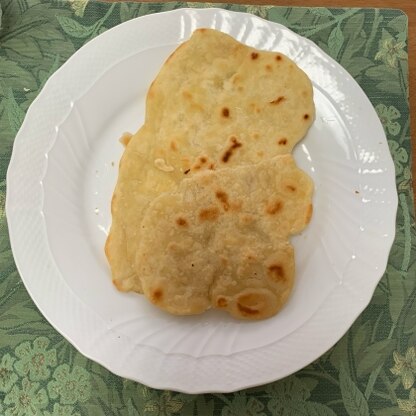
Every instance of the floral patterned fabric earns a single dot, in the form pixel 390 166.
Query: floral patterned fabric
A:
pixel 371 370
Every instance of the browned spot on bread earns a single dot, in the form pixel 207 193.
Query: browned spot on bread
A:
pixel 236 79
pixel 238 48
pixel 223 197
pixel 291 188
pixel 173 145
pixel 225 112
pixel 309 213
pixel 211 166
pixel 202 159
pixel 274 207
pixel 209 214
pixel 224 261
pixel 235 144
pixel 196 167
pixel 254 108
pixel 193 105
pixel 222 302
pixel 246 219
pixel 250 303
pixel 250 257
pixel 278 100
pixel 236 206
pixel 269 68
pixel 197 107
pixel 181 222
pixel 157 295
pixel 186 171
pixel 246 310
pixel 254 55
pixel 278 57
pixel 173 247
pixel 282 141
pixel 306 116
pixel 277 272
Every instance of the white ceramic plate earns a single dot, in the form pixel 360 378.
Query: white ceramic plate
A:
pixel 63 171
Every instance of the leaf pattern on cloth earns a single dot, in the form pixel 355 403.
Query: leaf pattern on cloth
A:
pixel 405 367
pixel 370 371
pixel 389 117
pixel 26 400
pixel 70 386
pixel 7 375
pixel 35 360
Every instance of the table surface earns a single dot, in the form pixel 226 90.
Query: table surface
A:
pixel 408 6
pixel 370 371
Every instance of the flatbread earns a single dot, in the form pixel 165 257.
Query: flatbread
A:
pixel 215 103
pixel 221 240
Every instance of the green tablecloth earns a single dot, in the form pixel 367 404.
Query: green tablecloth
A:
pixel 372 369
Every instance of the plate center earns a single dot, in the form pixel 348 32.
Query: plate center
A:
pixel 82 172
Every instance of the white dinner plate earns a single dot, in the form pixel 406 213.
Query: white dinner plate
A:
pixel 62 175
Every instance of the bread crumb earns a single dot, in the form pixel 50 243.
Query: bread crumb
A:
pixel 125 138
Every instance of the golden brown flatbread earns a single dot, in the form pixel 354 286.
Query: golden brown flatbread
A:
pixel 216 103
pixel 221 240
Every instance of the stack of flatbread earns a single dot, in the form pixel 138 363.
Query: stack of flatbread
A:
pixel 208 193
